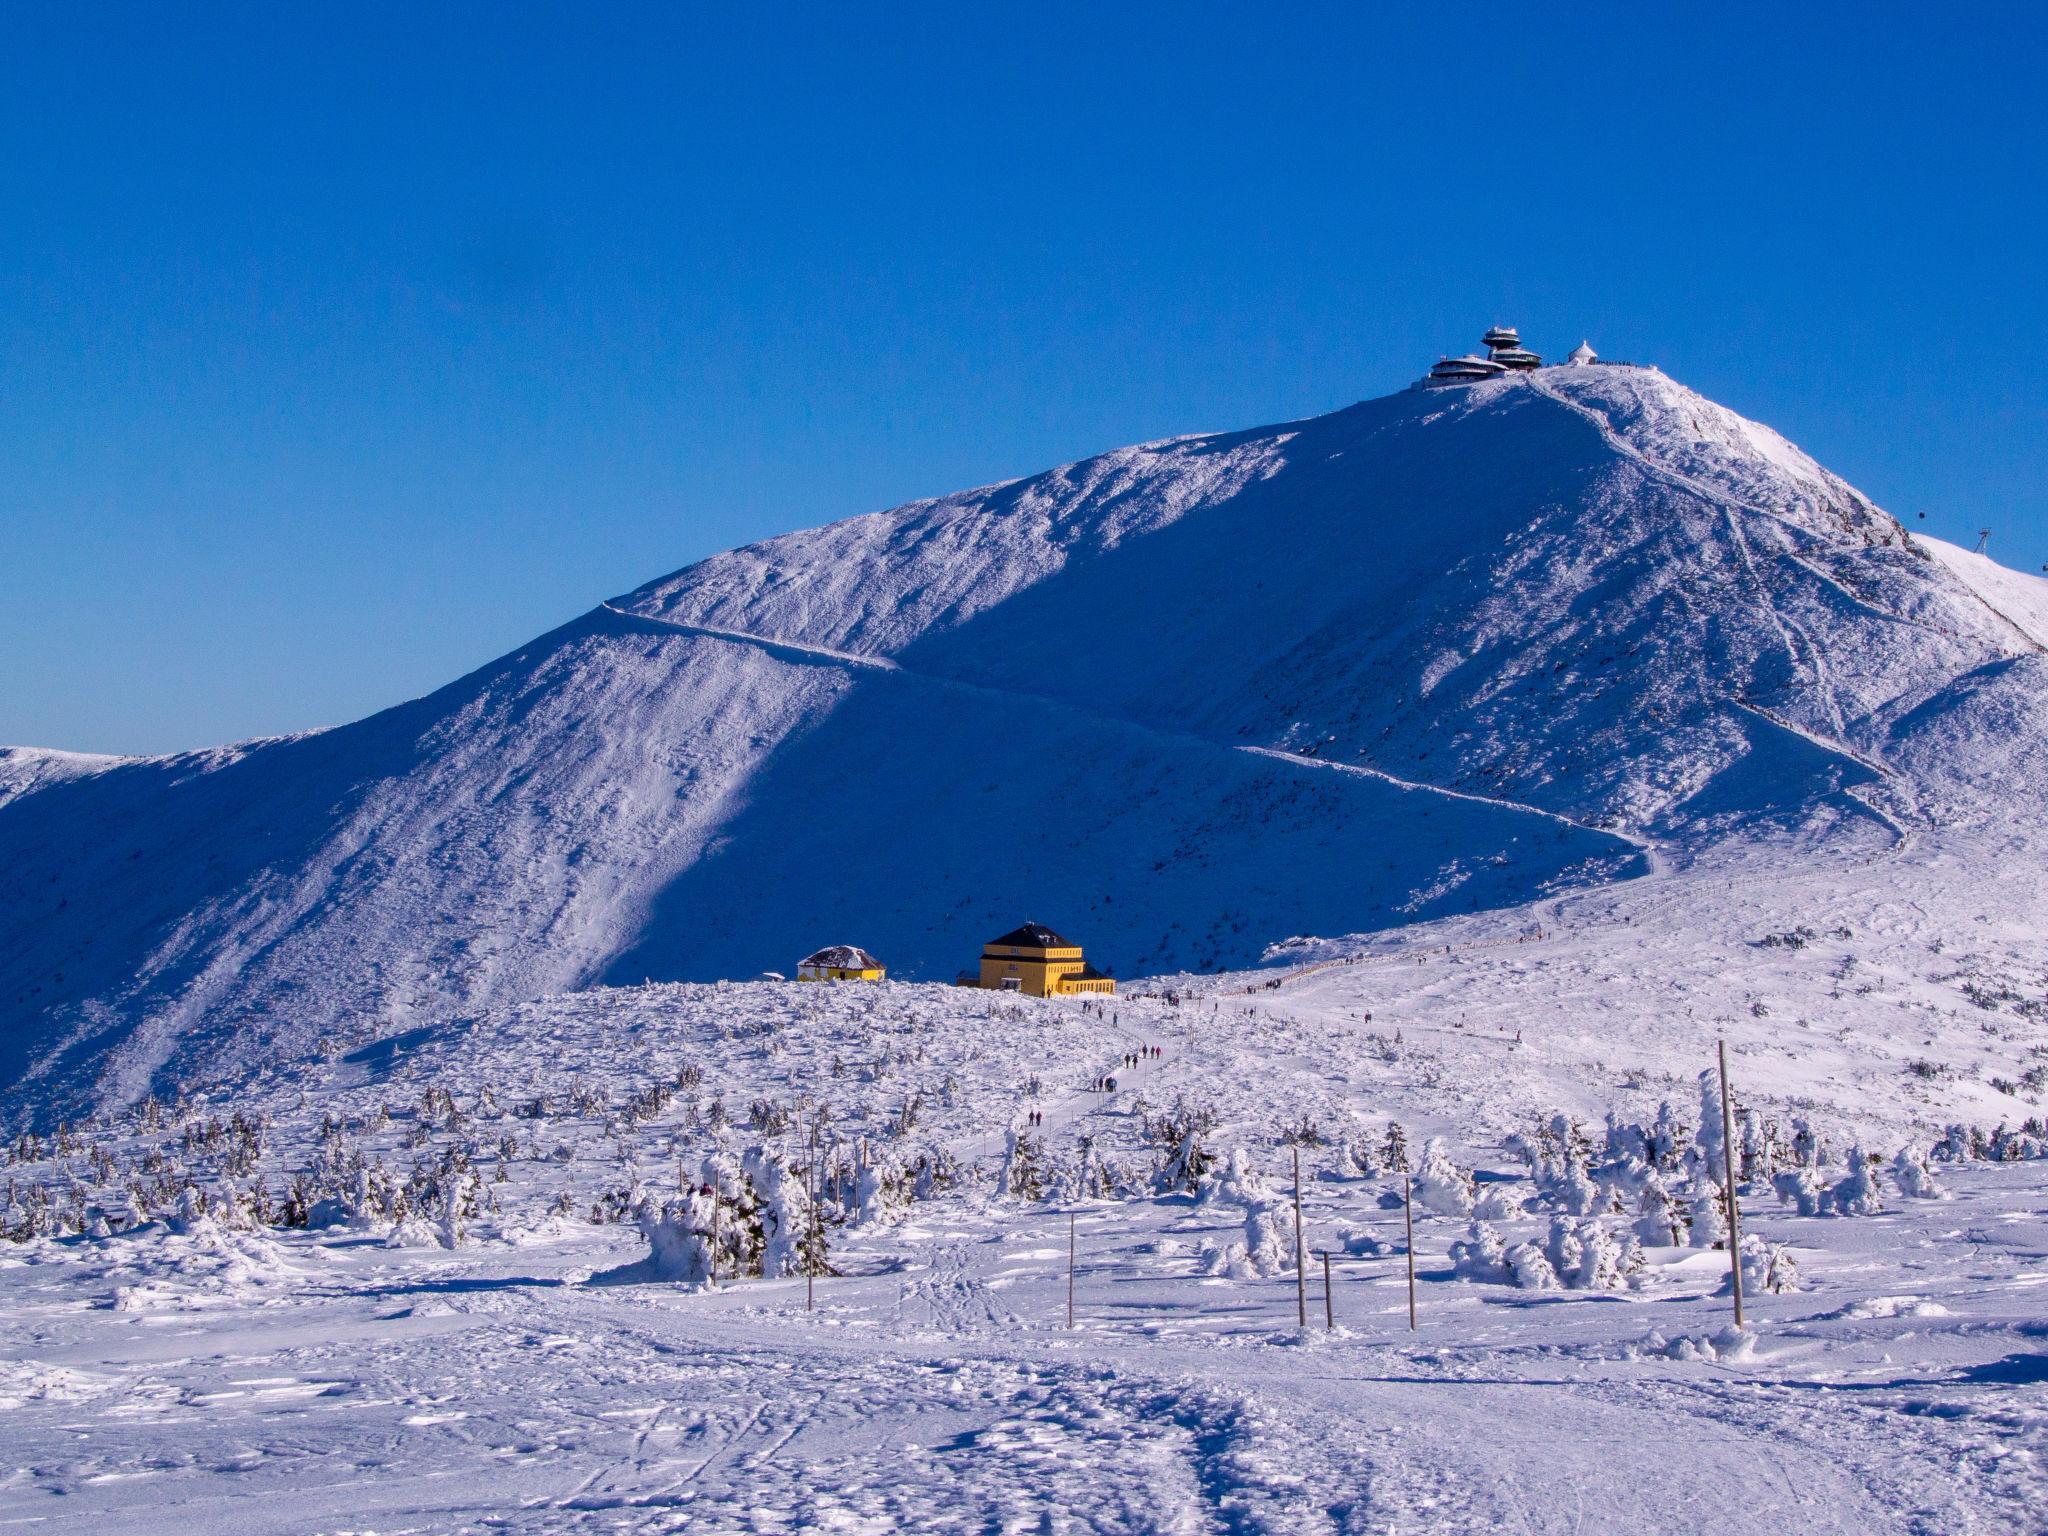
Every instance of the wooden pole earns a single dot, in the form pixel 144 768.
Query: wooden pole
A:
pixel 1408 1213
pixel 1329 1311
pixel 1070 1269
pixel 1728 1170
pixel 1300 1279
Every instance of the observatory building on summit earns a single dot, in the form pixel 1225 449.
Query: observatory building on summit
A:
pixel 1504 354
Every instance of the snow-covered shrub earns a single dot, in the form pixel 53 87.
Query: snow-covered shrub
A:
pixel 1709 1215
pixel 1355 1159
pixel 1481 1255
pixel 1730 1344
pixel 1858 1194
pixel 1668 1136
pixel 1709 1146
pixel 782 1206
pixel 1024 1171
pixel 1624 1141
pixel 1573 1190
pixel 1915 1177
pixel 1091 1176
pixel 1237 1182
pixel 1497 1202
pixel 1801 1188
pixel 458 1205
pixel 678 1234
pixel 1180 1138
pixel 1529 1268
pixel 1766 1266
pixel 1756 1148
pixel 1954 1146
pixel 1659 1222
pixel 1439 1184
pixel 1268 1247
pixel 1588 1255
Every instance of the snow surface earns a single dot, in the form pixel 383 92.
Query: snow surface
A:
pixel 368 1378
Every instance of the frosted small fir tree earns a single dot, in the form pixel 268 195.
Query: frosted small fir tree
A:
pixel 1858 1194
pixel 678 1234
pixel 1024 1171
pixel 1756 1148
pixel 1659 1222
pixel 1801 1188
pixel 1587 1255
pixel 1355 1159
pixel 1915 1176
pixel 782 1209
pixel 1709 1215
pixel 813 1251
pixel 1439 1184
pixel 1481 1255
pixel 1668 1137
pixel 1180 1140
pixel 1394 1150
pixel 1709 1146
pixel 1766 1266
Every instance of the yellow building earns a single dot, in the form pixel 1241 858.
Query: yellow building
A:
pixel 842 962
pixel 1039 963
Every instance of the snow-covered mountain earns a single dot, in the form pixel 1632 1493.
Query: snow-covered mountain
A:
pixel 1446 651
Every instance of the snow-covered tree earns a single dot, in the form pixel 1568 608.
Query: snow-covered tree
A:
pixel 1915 1176
pixel 1801 1188
pixel 1659 1222
pixel 1858 1194
pixel 1709 1215
pixel 1766 1266
pixel 1481 1254
pixel 1439 1184
pixel 1024 1170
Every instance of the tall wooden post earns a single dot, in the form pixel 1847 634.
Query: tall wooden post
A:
pixel 1070 1269
pixel 1728 1171
pixel 1329 1310
pixel 1300 1279
pixel 1408 1214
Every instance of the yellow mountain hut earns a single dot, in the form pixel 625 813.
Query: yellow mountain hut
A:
pixel 1039 963
pixel 841 962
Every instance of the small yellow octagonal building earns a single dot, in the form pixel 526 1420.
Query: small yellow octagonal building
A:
pixel 841 962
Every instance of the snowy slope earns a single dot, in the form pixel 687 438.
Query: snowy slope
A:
pixel 1443 652
pixel 26 769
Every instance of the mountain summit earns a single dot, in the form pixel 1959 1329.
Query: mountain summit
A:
pixel 1447 650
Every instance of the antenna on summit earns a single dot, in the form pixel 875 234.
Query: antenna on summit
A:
pixel 1983 538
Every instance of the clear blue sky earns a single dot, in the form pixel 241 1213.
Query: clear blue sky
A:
pixel 343 348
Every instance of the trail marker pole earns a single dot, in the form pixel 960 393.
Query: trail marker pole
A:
pixel 1300 1280
pixel 1728 1172
pixel 1408 1214
pixel 1329 1311
pixel 1070 1269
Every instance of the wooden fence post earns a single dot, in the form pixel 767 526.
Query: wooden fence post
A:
pixel 1408 1213
pixel 1070 1269
pixel 1728 1172
pixel 1329 1310
pixel 1300 1279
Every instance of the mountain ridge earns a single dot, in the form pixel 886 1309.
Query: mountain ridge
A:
pixel 1550 622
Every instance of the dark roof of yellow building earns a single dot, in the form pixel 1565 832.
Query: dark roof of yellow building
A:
pixel 1031 936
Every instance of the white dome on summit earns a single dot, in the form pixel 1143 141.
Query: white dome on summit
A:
pixel 1583 354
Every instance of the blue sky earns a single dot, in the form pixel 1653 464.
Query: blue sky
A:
pixel 343 348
